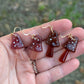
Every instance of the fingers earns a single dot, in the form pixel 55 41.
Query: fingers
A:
pixel 47 63
pixel 59 26
pixel 79 32
pixel 58 72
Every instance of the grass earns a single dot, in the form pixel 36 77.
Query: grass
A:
pixel 16 13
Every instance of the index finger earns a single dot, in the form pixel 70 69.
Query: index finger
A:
pixel 58 25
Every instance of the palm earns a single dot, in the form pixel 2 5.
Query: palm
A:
pixel 16 65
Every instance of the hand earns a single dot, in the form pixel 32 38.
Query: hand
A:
pixel 16 66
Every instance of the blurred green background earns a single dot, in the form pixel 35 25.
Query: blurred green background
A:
pixel 29 13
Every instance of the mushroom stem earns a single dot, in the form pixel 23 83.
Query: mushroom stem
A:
pixel 49 51
pixel 64 56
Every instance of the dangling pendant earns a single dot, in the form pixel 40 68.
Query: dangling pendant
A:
pixel 70 46
pixel 36 44
pixel 52 41
pixel 16 40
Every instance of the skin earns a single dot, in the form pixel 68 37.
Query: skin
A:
pixel 16 64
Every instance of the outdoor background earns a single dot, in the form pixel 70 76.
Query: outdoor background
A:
pixel 28 13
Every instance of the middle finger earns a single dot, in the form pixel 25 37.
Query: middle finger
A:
pixel 47 63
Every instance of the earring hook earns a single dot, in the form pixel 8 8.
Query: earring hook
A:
pixel 26 34
pixel 51 27
pixel 16 28
pixel 69 36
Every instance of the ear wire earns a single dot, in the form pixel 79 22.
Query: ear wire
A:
pixel 26 34
pixel 51 27
pixel 69 36
pixel 16 29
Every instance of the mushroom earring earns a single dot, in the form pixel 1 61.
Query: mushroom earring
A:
pixel 70 46
pixel 36 44
pixel 17 42
pixel 52 41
